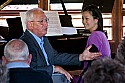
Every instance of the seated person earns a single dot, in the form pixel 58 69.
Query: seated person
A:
pixel 17 59
pixel 105 70
pixel 120 55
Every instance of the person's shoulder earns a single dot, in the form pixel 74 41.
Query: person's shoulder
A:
pixel 98 33
pixel 28 73
pixel 26 37
pixel 19 70
pixel 25 34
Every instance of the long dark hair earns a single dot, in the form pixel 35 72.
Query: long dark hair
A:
pixel 96 13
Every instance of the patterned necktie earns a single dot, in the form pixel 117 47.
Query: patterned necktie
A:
pixel 44 53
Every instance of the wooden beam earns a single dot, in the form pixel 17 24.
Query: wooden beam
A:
pixel 44 4
pixel 117 22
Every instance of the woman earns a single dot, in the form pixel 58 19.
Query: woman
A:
pixel 93 21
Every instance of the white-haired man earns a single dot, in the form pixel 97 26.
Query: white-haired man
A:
pixel 17 59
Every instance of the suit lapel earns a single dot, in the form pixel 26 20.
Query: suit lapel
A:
pixel 36 46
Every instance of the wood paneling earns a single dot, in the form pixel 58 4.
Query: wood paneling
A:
pixel 117 24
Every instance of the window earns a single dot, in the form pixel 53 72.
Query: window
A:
pixel 123 26
pixel 123 30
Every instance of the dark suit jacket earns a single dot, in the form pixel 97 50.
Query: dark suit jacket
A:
pixel 38 61
pixel 28 75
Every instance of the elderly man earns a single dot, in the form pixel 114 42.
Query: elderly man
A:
pixel 17 59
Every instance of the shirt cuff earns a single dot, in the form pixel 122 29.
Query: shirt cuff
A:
pixel 53 68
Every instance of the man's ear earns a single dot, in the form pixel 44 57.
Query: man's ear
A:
pixel 29 58
pixel 29 24
pixel 4 60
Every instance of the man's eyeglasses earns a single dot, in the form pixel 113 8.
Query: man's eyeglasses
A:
pixel 42 21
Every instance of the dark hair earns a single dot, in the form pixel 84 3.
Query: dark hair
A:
pixel 96 13
pixel 105 70
pixel 120 55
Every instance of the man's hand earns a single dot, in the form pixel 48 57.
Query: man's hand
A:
pixel 62 71
pixel 86 55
